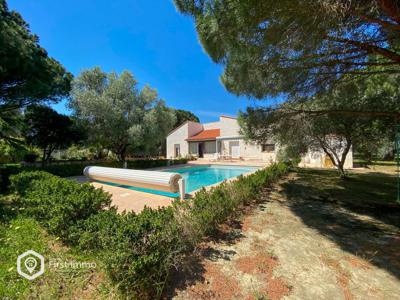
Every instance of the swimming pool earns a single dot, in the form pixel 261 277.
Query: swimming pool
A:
pixel 197 177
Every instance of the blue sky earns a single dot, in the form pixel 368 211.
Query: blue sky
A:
pixel 149 38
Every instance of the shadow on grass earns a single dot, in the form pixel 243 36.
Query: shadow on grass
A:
pixel 359 214
pixel 364 163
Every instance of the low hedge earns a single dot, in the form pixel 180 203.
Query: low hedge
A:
pixel 76 168
pixel 57 203
pixel 140 251
pixel 143 250
pixel 201 215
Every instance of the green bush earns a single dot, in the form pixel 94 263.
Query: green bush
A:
pixel 201 215
pixel 155 242
pixel 5 172
pixel 98 232
pixel 58 203
pixel 140 251
pixel 76 168
pixel 21 182
pixel 149 247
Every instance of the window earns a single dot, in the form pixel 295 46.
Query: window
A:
pixel 193 148
pixel 268 147
pixel 177 149
pixel 210 147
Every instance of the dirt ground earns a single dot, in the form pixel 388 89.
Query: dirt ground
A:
pixel 297 245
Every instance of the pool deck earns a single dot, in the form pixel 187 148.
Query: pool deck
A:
pixel 130 200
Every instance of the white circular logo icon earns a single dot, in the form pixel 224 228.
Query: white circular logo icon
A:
pixel 30 264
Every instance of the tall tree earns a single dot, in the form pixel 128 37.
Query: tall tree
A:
pixel 184 115
pixel 318 122
pixel 10 127
pixel 118 115
pixel 27 74
pixel 162 120
pixel 49 130
pixel 270 47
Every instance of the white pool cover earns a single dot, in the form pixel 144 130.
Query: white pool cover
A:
pixel 163 181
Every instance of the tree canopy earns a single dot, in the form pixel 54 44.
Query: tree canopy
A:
pixel 119 116
pixel 296 46
pixel 319 122
pixel 184 115
pixel 27 74
pixel 49 130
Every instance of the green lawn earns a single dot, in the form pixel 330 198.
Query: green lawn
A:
pixel 376 162
pixel 370 188
pixel 385 166
pixel 19 234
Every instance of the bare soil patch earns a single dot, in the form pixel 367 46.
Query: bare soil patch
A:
pixel 302 243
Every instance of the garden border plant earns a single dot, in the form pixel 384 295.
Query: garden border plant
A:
pixel 76 168
pixel 140 251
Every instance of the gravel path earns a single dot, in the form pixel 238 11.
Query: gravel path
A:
pixel 300 248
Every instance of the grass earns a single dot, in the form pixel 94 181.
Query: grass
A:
pixel 362 189
pixel 19 234
pixel 375 162
pixel 386 166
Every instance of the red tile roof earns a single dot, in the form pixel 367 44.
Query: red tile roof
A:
pixel 205 135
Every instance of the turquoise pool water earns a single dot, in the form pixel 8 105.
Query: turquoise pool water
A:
pixel 198 177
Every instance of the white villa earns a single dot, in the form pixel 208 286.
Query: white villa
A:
pixel 221 140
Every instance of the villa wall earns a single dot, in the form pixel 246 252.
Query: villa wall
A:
pixel 194 128
pixel 318 159
pixel 179 136
pixel 212 125
pixel 250 150
pixel 229 126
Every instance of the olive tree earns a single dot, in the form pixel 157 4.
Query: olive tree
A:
pixel 118 115
pixel 320 122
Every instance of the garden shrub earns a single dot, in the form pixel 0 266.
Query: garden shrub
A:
pixel 149 246
pixel 21 182
pixel 76 168
pixel 58 203
pixel 201 215
pixel 140 251
pixel 98 232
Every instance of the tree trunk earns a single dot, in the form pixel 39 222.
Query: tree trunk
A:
pixel 339 161
pixel 120 151
pixel 340 167
pixel 44 156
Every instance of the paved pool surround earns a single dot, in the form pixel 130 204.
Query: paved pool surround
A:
pixel 126 199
